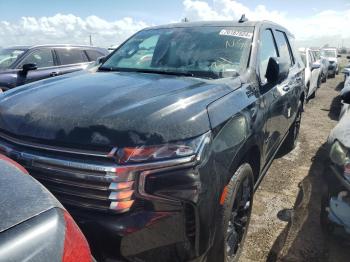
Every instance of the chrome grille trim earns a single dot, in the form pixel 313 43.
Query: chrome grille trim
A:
pixel 98 185
pixel 54 148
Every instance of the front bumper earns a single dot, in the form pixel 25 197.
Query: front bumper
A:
pixel 332 68
pixel 174 205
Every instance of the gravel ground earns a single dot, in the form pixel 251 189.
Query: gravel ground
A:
pixel 285 222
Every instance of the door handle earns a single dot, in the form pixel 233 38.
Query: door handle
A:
pixel 54 73
pixel 286 88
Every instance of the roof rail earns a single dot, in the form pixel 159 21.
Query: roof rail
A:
pixel 243 19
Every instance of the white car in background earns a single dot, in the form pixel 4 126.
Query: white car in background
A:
pixel 331 54
pixel 312 72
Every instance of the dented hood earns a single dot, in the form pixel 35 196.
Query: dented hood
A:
pixel 111 108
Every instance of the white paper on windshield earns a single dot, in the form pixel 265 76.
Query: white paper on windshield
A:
pixel 235 33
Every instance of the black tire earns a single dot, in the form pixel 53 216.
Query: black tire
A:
pixel 307 88
pixel 293 133
pixel 324 78
pixel 313 94
pixel 235 213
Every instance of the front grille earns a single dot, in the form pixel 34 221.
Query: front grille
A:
pixel 77 180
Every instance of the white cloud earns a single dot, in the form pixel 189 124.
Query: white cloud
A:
pixel 318 28
pixel 67 29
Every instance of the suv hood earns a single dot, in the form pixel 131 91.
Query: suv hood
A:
pixel 332 59
pixel 111 108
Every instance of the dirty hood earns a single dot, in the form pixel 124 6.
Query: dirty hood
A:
pixel 111 108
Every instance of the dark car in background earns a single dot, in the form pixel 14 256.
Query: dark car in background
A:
pixel 21 65
pixel 33 224
pixel 157 153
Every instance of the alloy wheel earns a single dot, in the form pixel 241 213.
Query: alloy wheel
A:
pixel 239 219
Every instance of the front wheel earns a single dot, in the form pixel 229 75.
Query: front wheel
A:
pixel 236 209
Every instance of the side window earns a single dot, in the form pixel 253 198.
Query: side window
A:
pixel 42 58
pixel 267 49
pixel 297 57
pixel 93 54
pixel 71 56
pixel 283 47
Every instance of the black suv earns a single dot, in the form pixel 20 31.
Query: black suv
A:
pixel 157 153
pixel 23 64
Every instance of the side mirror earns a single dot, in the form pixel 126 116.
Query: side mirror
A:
pixel 101 60
pixel 315 66
pixel 29 67
pixel 345 95
pixel 276 71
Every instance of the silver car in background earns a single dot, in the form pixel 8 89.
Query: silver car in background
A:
pixel 323 62
pixel 331 54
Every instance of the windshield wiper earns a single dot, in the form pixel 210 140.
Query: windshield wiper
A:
pixel 147 71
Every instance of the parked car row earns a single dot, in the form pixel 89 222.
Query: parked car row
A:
pixel 157 151
pixel 320 64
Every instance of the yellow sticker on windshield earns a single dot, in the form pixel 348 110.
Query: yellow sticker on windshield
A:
pixel 235 33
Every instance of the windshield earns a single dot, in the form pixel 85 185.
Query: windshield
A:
pixel 316 54
pixel 212 52
pixel 8 56
pixel 330 53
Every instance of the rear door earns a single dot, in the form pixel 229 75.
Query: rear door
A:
pixel 292 84
pixel 71 59
pixel 315 73
pixel 44 59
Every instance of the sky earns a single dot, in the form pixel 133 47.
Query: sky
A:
pixel 313 22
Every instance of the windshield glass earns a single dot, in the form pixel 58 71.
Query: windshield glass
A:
pixel 329 53
pixel 316 54
pixel 211 52
pixel 8 56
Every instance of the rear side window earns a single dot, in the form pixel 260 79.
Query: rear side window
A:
pixel 267 49
pixel 297 56
pixel 42 58
pixel 71 56
pixel 283 47
pixel 93 54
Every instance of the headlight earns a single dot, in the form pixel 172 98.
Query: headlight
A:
pixel 339 154
pixel 147 153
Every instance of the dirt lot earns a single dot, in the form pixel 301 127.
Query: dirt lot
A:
pixel 285 222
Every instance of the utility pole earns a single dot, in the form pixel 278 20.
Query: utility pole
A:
pixel 90 38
